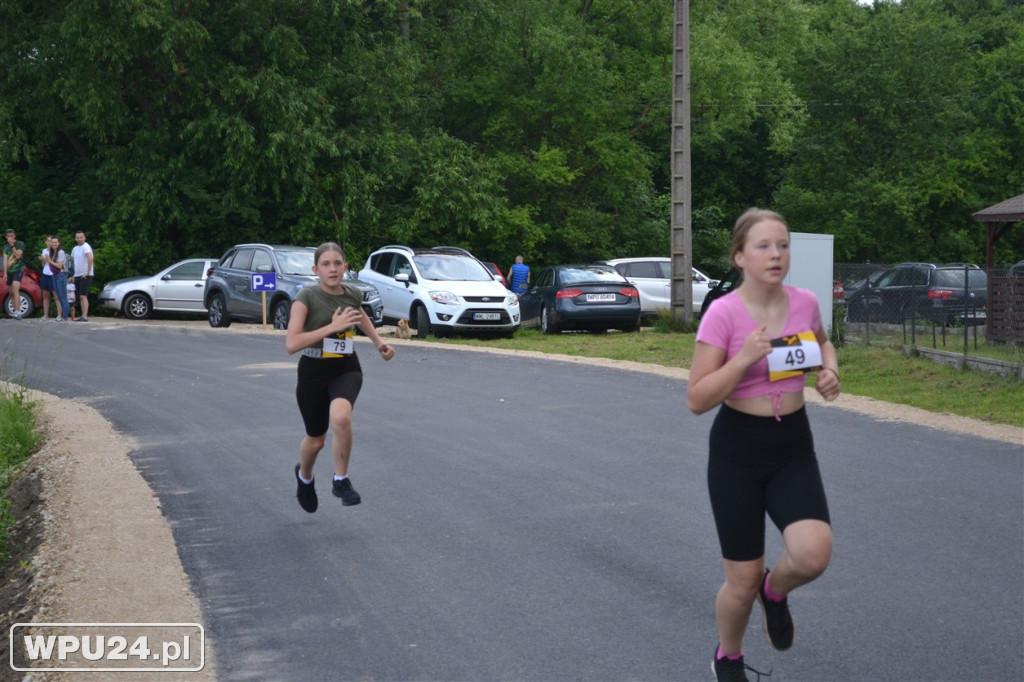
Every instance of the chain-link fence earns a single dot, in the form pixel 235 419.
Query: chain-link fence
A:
pixel 959 313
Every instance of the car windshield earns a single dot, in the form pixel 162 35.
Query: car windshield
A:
pixel 450 268
pixel 954 279
pixel 296 262
pixel 589 273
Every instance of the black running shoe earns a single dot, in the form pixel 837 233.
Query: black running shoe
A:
pixel 346 492
pixel 306 493
pixel 726 670
pixel 776 622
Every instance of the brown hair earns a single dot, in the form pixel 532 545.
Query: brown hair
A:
pixel 752 216
pixel 324 248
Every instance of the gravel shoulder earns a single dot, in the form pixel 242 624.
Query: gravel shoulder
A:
pixel 92 544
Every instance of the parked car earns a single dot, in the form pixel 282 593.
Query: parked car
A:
pixel 593 297
pixel 228 294
pixel 653 278
pixel 731 280
pixel 838 291
pixel 857 284
pixel 735 277
pixel 495 272
pixel 945 294
pixel 30 293
pixel 440 291
pixel 175 289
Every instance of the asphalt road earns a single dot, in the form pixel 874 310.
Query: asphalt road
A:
pixel 527 519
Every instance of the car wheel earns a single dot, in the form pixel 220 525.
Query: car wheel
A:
pixel 26 308
pixel 137 307
pixel 422 322
pixel 282 311
pixel 545 323
pixel 217 312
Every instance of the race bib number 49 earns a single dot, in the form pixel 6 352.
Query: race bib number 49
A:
pixel 336 346
pixel 794 355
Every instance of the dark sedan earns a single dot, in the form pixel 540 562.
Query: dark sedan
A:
pixel 587 297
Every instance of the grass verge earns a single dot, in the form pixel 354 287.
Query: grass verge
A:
pixel 18 440
pixel 882 372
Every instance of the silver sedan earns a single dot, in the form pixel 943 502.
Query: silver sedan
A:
pixel 176 289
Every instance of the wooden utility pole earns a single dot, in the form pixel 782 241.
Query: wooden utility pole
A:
pixel 682 257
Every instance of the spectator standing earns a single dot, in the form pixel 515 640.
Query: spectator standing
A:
pixel 46 280
pixel 82 257
pixel 14 267
pixel 57 260
pixel 518 276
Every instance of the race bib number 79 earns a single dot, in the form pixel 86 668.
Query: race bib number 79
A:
pixel 336 346
pixel 794 355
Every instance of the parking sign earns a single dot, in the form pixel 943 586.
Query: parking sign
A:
pixel 263 281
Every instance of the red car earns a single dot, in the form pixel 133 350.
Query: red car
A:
pixel 496 272
pixel 31 295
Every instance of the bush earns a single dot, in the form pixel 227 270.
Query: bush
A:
pixel 18 439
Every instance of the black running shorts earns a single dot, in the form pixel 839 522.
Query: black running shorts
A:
pixel 758 465
pixel 320 382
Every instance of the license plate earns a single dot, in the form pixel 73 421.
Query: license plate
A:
pixel 600 298
pixel 486 316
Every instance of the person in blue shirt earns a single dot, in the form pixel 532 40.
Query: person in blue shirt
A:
pixel 518 276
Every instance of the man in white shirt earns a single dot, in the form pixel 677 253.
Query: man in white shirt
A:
pixel 81 255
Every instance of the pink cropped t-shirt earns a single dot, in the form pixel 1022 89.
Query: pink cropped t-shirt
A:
pixel 727 324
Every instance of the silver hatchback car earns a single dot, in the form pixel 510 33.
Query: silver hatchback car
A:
pixel 175 289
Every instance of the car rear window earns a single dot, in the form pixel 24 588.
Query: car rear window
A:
pixel 954 279
pixel 646 269
pixel 589 274
pixel 242 259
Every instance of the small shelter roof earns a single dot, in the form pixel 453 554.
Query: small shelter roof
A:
pixel 1008 211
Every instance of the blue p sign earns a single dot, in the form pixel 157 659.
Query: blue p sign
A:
pixel 264 281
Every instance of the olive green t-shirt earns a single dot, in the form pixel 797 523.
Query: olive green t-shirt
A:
pixel 321 305
pixel 14 264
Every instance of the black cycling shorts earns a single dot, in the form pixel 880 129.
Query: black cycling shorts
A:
pixel 320 382
pixel 758 465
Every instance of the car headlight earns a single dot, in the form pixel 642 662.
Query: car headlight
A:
pixel 108 288
pixel 512 300
pixel 444 297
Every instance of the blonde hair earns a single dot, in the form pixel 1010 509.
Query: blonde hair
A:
pixel 324 248
pixel 752 216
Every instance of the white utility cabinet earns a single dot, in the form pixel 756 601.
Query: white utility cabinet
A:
pixel 810 267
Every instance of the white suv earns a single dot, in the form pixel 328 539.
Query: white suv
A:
pixel 440 290
pixel 653 279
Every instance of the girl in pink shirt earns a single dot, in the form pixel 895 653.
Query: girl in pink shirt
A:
pixel 753 348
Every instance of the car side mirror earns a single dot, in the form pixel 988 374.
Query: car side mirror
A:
pixel 403 277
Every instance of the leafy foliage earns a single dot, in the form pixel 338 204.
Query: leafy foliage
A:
pixel 174 128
